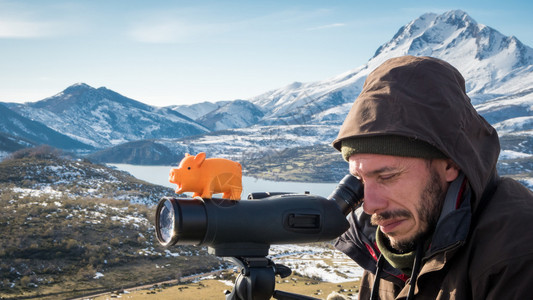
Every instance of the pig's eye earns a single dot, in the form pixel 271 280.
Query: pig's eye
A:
pixel 188 168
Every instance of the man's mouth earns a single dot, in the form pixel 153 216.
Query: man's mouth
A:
pixel 388 226
pixel 390 220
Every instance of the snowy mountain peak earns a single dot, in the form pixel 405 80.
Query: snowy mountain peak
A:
pixel 488 60
pixel 430 32
pixel 79 85
pixel 429 27
pixel 73 90
pixel 458 18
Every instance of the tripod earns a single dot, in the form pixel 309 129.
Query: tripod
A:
pixel 257 280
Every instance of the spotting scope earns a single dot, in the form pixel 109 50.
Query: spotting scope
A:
pixel 247 228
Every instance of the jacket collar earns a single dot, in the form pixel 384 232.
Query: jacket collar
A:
pixel 454 221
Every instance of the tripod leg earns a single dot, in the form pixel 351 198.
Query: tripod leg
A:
pixel 281 295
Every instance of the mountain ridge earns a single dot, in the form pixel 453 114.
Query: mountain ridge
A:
pixel 102 118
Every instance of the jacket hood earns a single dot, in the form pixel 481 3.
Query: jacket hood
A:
pixel 425 99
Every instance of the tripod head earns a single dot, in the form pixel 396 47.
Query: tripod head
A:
pixel 257 280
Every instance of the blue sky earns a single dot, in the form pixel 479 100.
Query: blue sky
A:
pixel 182 52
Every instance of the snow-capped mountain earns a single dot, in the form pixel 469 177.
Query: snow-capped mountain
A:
pixel 222 115
pixel 493 65
pixel 198 110
pixel 102 118
pixel 226 117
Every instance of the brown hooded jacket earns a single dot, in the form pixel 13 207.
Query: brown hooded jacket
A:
pixel 482 247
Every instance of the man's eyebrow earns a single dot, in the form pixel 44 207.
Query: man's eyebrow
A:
pixel 383 170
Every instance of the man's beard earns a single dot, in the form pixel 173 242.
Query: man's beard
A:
pixel 428 211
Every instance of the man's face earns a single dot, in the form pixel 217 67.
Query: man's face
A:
pixel 403 195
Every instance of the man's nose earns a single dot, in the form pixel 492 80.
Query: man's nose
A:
pixel 374 202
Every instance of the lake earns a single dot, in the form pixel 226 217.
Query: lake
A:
pixel 159 175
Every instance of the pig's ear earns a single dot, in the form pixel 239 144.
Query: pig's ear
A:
pixel 199 159
pixel 187 154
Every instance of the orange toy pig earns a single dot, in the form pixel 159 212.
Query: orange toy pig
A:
pixel 205 177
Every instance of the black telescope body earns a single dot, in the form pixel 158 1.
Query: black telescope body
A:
pixel 247 228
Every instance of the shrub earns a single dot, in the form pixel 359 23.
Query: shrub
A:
pixel 39 152
pixel 86 273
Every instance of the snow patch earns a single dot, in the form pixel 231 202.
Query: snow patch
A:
pixel 508 154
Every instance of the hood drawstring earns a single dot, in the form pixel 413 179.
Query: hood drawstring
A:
pixel 374 295
pixel 416 269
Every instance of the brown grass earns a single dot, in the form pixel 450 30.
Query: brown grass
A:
pixel 214 289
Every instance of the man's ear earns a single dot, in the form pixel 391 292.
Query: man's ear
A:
pixel 452 170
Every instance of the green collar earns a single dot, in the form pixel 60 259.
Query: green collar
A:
pixel 403 261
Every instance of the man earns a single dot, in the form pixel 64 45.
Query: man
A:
pixel 436 222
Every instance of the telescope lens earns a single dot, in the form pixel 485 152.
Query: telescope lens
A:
pixel 182 221
pixel 166 222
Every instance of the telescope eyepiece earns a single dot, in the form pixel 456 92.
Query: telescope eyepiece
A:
pixel 348 194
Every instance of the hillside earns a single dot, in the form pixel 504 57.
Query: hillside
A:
pixel 293 165
pixel 144 152
pixel 10 143
pixel 34 132
pixel 71 228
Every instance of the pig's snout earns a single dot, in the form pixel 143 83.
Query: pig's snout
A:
pixel 174 176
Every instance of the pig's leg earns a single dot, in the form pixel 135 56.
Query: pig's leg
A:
pixel 233 194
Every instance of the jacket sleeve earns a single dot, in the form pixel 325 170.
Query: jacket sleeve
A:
pixel 358 240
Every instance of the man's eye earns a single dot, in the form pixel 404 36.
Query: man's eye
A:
pixel 387 176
